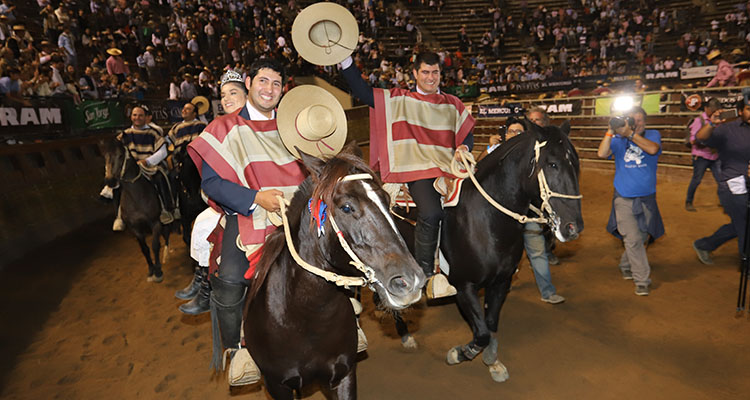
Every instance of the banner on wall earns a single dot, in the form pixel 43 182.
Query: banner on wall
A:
pixel 692 101
pixel 500 111
pixel 698 72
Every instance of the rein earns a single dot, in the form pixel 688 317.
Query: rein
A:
pixel 467 159
pixel 339 280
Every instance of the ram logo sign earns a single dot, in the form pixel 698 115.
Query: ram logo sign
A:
pixel 30 116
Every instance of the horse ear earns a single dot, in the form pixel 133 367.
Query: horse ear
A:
pixel 352 148
pixel 565 127
pixel 313 164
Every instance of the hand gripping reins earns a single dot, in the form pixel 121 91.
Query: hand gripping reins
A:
pixel 467 159
pixel 332 277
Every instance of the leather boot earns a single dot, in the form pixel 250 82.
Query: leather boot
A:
pixel 227 300
pixel 165 195
pixel 425 244
pixel 192 288
pixel 200 303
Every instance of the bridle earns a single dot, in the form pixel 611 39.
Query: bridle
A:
pixel 340 280
pixel 545 193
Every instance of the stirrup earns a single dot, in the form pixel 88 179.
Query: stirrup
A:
pixel 356 305
pixel 438 287
pixel 107 193
pixel 166 217
pixel 361 339
pixel 242 368
pixel 118 225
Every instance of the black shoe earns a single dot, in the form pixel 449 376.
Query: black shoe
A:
pixel 192 288
pixel 201 303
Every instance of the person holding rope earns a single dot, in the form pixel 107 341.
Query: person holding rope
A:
pixel 635 215
pixel 414 134
pixel 247 168
pixel 732 141
pixel 149 148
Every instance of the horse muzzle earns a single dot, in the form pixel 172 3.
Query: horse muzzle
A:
pixel 401 290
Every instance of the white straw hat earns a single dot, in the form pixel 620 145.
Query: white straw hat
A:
pixel 325 33
pixel 310 119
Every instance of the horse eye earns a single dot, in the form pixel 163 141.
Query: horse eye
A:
pixel 552 165
pixel 347 208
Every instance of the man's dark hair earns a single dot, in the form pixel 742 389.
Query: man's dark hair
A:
pixel 638 109
pixel 269 63
pixel 712 103
pixel 428 58
pixel 13 70
pixel 142 107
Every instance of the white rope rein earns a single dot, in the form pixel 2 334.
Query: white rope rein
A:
pixel 329 276
pixel 467 159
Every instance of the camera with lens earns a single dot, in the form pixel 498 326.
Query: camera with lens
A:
pixel 620 121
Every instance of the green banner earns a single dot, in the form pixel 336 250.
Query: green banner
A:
pixel 95 114
pixel 463 91
pixel 649 102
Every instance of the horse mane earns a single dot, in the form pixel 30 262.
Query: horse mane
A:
pixel 514 148
pixel 318 187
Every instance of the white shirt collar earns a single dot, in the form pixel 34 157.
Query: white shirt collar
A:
pixel 420 91
pixel 256 115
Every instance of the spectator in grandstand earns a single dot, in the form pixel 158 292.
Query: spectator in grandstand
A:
pixel 6 9
pixel 174 88
pixel 187 88
pixel 724 72
pixel 65 43
pixel 11 86
pixel 703 157
pixel 87 85
pixel 116 65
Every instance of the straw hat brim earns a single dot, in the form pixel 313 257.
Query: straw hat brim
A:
pixel 713 54
pixel 114 52
pixel 325 33
pixel 201 104
pixel 298 100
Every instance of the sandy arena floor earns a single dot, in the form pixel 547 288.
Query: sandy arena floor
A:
pixel 79 321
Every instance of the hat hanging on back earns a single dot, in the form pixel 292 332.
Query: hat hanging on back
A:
pixel 713 54
pixel 201 104
pixel 114 51
pixel 325 33
pixel 310 119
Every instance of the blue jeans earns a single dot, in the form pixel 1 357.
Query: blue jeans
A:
pixel 536 251
pixel 735 205
pixel 700 165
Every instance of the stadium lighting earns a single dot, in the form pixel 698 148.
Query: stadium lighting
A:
pixel 622 104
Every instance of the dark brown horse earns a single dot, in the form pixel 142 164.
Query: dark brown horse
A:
pixel 483 246
pixel 301 329
pixel 188 185
pixel 139 203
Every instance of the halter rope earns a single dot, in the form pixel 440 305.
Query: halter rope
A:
pixel 467 159
pixel 124 165
pixel 332 277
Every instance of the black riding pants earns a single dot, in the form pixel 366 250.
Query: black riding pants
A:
pixel 427 200
pixel 234 263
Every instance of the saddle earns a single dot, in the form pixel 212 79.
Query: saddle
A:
pixel 449 189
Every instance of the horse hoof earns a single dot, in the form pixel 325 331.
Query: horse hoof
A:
pixel 453 356
pixel 155 279
pixel 489 354
pixel 498 372
pixel 409 343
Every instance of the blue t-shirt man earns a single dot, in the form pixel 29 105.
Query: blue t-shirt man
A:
pixel 635 170
pixel 8 85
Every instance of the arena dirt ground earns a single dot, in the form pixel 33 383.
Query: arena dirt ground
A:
pixel 79 321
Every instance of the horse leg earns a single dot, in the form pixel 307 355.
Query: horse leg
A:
pixel 278 390
pixel 347 388
pixel 467 299
pixel 407 340
pixel 157 275
pixel 495 296
pixel 165 234
pixel 146 253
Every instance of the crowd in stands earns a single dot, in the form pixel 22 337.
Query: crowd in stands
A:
pixel 89 49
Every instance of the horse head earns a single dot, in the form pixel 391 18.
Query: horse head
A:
pixel 114 158
pixel 557 170
pixel 357 204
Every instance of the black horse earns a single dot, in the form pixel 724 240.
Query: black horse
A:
pixel 188 187
pixel 483 246
pixel 139 203
pixel 301 329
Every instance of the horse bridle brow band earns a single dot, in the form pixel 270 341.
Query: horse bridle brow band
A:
pixel 332 277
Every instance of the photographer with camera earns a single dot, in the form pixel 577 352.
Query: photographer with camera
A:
pixel 635 215
pixel 732 140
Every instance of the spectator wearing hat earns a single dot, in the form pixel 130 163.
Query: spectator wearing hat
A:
pixel 6 9
pixel 724 72
pixel 150 62
pixel 187 88
pixel 5 30
pixel 116 65
pixel 18 40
